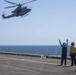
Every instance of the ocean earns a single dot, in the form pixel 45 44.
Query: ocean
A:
pixel 34 49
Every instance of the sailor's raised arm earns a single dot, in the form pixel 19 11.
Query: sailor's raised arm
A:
pixel 60 42
pixel 67 42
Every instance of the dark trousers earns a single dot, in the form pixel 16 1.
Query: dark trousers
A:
pixel 63 59
pixel 73 59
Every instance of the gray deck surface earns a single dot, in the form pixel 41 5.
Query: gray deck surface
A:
pixel 24 65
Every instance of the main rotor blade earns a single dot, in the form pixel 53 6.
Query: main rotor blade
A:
pixel 11 2
pixel 29 2
pixel 9 7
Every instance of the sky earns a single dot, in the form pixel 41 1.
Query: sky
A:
pixel 48 21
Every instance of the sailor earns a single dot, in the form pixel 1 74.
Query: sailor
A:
pixel 64 52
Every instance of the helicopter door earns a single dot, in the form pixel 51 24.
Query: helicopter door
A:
pixel 19 11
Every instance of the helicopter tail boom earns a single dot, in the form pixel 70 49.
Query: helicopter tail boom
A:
pixel 9 16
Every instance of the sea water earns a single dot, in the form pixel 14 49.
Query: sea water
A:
pixel 34 49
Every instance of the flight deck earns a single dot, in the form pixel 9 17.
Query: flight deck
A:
pixel 28 65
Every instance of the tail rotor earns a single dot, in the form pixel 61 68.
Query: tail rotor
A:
pixel 3 16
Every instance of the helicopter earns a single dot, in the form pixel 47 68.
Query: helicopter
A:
pixel 19 11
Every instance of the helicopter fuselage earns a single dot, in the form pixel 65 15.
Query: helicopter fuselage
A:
pixel 18 12
pixel 21 11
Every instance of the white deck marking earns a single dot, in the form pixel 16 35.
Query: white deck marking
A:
pixel 34 61
pixel 31 68
pixel 20 68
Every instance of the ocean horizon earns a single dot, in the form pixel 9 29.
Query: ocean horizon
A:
pixel 34 49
